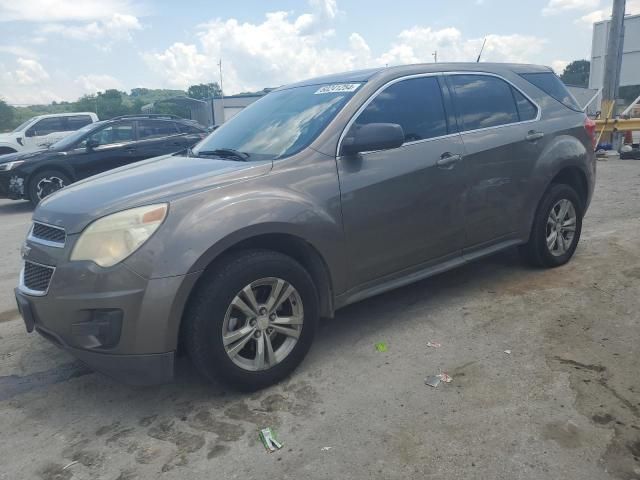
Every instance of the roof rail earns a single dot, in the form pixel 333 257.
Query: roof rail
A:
pixel 148 115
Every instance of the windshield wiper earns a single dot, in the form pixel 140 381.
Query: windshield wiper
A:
pixel 229 153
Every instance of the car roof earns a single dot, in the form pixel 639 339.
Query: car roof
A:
pixel 366 75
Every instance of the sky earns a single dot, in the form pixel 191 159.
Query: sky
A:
pixel 62 49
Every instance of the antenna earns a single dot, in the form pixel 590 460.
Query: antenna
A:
pixel 481 49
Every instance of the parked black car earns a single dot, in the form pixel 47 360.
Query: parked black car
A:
pixel 93 149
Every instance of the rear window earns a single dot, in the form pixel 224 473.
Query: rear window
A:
pixel 549 83
pixel 188 128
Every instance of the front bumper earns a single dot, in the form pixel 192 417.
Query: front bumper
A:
pixel 12 185
pixel 143 369
pixel 114 320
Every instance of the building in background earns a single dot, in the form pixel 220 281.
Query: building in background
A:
pixel 630 71
pixel 583 96
pixel 211 112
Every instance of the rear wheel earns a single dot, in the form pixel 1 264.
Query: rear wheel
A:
pixel 556 228
pixel 44 183
pixel 252 320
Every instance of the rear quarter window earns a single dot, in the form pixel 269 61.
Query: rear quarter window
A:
pixel 550 84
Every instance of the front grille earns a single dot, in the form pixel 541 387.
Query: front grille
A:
pixel 37 277
pixel 41 231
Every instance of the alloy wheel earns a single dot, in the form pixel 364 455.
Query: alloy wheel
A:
pixel 47 185
pixel 561 227
pixel 262 324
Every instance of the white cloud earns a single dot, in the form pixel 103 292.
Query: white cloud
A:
pixel 559 6
pixel 29 72
pixel 559 66
pixel 26 83
pixel 632 8
pixel 18 51
pixel 62 10
pixel 117 27
pixel 284 48
pixel 93 83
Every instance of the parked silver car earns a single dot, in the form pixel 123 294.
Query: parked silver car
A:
pixel 320 194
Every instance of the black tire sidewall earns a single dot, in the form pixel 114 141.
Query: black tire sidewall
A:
pixel 554 195
pixel 208 308
pixel 33 183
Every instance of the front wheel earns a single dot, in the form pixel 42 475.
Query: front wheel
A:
pixel 44 183
pixel 252 319
pixel 556 228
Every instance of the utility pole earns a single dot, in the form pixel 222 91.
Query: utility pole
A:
pixel 435 56
pixel 613 60
pixel 221 90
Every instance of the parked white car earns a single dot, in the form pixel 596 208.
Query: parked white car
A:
pixel 41 131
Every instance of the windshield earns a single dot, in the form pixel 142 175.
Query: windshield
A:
pixel 71 139
pixel 23 125
pixel 280 124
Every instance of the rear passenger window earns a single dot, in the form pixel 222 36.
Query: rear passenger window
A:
pixel 148 129
pixel 76 122
pixel 526 109
pixel 483 101
pixel 415 104
pixel 549 83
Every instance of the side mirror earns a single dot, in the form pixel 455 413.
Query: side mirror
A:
pixel 91 144
pixel 371 137
pixel 30 133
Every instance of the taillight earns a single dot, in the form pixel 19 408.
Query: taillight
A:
pixel 590 127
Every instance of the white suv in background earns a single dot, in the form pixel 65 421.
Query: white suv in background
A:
pixel 41 131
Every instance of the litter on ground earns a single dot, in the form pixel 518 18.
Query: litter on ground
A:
pixel 326 449
pixel 381 347
pixel 434 344
pixel 435 380
pixel 268 438
pixel 508 352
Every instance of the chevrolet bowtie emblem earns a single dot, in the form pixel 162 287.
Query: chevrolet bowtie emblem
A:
pixel 25 250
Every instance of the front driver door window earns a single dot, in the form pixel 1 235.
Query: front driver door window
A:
pixel 400 208
pixel 40 134
pixel 108 148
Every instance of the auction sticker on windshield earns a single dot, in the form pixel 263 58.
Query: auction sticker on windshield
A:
pixel 338 88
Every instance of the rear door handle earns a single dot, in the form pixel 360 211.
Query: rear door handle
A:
pixel 533 136
pixel 448 160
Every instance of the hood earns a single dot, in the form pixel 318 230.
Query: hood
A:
pixel 9 137
pixel 159 179
pixel 31 155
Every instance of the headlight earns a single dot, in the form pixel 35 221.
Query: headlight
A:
pixel 10 165
pixel 113 238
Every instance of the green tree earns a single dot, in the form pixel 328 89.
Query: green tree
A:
pixel 110 104
pixel 6 116
pixel 576 73
pixel 204 91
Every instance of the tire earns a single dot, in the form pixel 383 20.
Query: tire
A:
pixel 537 251
pixel 44 183
pixel 210 315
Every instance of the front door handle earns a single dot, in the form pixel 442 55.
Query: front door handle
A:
pixel 533 136
pixel 448 160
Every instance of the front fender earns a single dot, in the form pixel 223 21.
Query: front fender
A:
pixel 195 234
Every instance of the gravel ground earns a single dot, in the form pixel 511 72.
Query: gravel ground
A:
pixel 565 403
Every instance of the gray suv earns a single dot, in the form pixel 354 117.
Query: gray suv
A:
pixel 321 194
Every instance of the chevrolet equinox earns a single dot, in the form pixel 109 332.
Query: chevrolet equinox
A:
pixel 321 194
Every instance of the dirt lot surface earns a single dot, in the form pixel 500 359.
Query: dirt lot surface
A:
pixel 565 403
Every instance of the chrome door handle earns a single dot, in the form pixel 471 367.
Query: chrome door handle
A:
pixel 533 136
pixel 448 160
